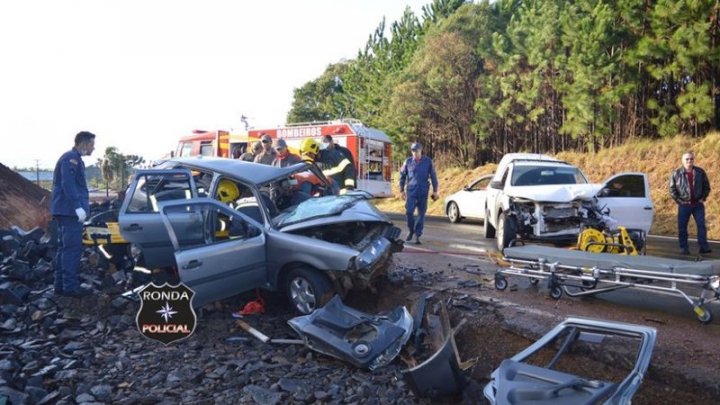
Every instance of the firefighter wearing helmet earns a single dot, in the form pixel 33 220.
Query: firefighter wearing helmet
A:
pixel 333 164
pixel 227 191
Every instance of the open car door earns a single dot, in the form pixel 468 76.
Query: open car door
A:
pixel 627 195
pixel 219 252
pixel 139 217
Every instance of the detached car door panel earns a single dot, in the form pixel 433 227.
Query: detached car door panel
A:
pixel 627 195
pixel 219 252
pixel 139 218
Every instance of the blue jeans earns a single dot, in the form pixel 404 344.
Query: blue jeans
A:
pixel 419 202
pixel 67 260
pixel 684 213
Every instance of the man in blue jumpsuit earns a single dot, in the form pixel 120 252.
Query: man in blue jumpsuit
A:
pixel 70 207
pixel 417 172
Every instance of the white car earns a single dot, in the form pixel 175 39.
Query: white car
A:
pixel 537 197
pixel 468 202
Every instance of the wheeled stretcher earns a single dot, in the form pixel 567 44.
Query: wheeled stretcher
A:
pixel 578 273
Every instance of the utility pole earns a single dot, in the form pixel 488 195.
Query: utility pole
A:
pixel 37 172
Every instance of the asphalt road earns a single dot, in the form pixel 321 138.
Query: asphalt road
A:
pixel 466 239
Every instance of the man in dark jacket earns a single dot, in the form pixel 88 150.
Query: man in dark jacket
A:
pixel 689 188
pixel 70 207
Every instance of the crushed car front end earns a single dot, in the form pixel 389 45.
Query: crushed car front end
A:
pixel 346 237
pixel 551 220
pixel 553 211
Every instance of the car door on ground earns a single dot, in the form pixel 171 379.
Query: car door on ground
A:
pixel 219 252
pixel 139 217
pixel 627 195
pixel 471 200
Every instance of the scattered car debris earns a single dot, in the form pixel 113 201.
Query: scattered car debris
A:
pixel 367 341
pixel 440 375
pixel 249 329
pixel 524 379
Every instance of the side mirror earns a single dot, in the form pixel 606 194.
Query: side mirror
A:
pixel 496 184
pixel 604 192
pixel 466 188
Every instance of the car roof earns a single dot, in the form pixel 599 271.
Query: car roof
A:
pixel 523 162
pixel 250 172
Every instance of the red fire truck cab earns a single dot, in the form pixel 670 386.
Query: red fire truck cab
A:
pixel 204 143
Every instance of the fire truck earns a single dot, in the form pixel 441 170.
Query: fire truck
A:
pixel 217 143
pixel 371 148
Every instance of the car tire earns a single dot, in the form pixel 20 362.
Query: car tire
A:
pixel 506 232
pixel 488 229
pixel 307 289
pixel 453 212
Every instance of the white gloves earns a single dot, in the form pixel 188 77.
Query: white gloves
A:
pixel 81 214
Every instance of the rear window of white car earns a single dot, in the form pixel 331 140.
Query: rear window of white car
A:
pixel 546 175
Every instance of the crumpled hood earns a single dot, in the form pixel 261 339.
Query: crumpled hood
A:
pixel 361 210
pixel 556 193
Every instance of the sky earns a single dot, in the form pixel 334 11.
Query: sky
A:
pixel 142 73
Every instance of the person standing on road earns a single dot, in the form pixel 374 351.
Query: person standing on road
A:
pixel 689 188
pixel 268 154
pixel 417 172
pixel 70 207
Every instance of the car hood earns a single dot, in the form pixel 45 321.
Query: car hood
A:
pixel 556 193
pixel 330 210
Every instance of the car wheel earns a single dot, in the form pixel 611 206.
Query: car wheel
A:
pixel 488 229
pixel 307 290
pixel 506 231
pixel 453 212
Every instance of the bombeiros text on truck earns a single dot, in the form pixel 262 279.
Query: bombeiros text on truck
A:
pixel 371 148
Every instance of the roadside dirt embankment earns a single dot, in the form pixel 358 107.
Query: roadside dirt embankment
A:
pixel 656 158
pixel 22 202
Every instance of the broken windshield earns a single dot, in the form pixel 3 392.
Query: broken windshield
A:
pixel 318 207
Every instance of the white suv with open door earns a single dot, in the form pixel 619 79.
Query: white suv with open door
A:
pixel 537 197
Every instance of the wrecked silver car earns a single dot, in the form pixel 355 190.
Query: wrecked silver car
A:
pixel 559 367
pixel 226 226
pixel 367 341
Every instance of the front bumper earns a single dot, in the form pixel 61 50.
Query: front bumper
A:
pixel 369 264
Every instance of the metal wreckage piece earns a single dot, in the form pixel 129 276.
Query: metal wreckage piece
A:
pixel 367 341
pixel 519 380
pixel 373 341
pixel 440 375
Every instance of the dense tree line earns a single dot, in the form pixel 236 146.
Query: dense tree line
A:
pixel 476 80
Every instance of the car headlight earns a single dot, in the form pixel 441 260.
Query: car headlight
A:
pixel 715 283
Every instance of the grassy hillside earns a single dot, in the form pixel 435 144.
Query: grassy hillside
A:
pixel 657 158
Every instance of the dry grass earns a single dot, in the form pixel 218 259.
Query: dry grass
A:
pixel 657 158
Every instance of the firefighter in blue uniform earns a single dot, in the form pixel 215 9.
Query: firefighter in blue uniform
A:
pixel 70 207
pixel 417 173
